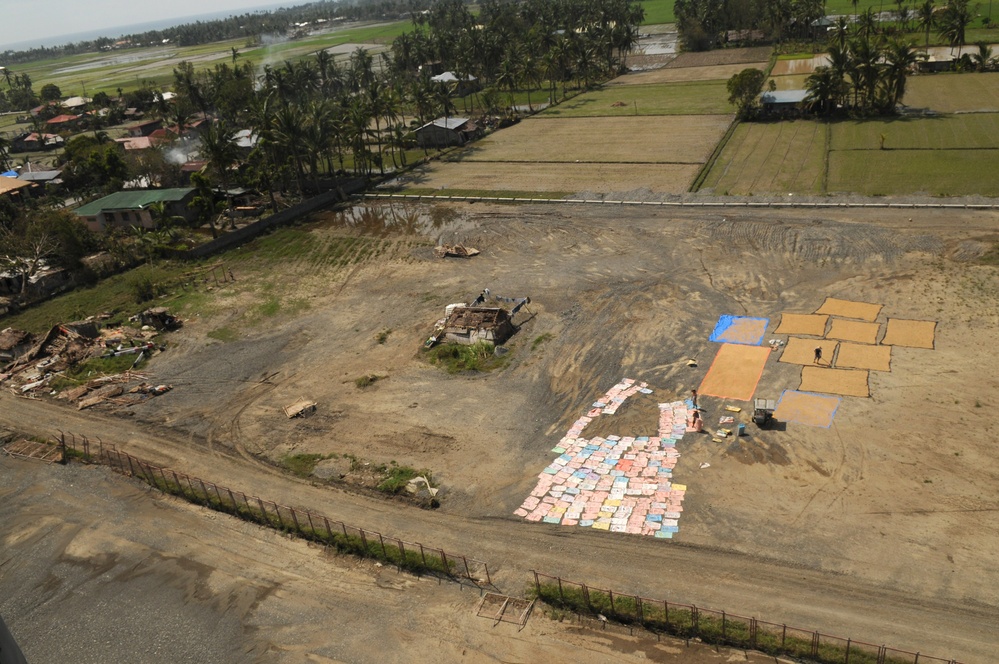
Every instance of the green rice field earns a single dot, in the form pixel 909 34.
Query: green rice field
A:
pixel 952 93
pixel 944 132
pixel 932 172
pixel 778 157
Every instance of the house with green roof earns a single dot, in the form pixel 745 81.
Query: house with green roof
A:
pixel 131 208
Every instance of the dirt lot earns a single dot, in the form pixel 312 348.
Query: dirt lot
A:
pixel 686 74
pixel 86 579
pixel 878 528
pixel 728 56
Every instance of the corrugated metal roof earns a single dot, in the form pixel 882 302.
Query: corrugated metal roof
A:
pixel 784 96
pixel 446 123
pixel 39 176
pixel 132 200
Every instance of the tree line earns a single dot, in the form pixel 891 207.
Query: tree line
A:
pixel 250 25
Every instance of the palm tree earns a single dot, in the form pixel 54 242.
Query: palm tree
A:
pixel 825 89
pixel 900 59
pixel 926 19
pixel 953 23
pixel 219 148
pixel 983 58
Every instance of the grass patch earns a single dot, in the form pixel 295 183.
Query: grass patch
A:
pixel 399 477
pixel 458 358
pixel 367 381
pixel 115 294
pixel 991 257
pixel 541 339
pixel 933 172
pixel 224 334
pixel 301 464
pixel 87 370
pixel 711 627
pixel 382 336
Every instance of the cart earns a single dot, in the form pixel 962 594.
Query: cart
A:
pixel 763 412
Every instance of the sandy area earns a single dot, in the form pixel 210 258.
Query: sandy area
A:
pixel 890 537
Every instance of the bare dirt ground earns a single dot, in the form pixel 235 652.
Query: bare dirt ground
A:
pixel 686 74
pixel 727 56
pixel 880 528
pixel 86 579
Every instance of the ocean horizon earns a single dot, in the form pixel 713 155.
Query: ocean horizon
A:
pixel 119 31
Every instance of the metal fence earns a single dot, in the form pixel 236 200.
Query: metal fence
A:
pixel 411 556
pixel 714 626
pixel 728 203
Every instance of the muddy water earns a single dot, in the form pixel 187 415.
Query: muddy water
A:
pixel 393 218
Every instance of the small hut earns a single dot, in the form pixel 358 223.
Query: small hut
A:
pixel 470 325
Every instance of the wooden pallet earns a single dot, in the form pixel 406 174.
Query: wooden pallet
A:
pixel 501 608
pixel 32 449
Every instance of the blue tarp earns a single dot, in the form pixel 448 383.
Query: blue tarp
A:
pixel 720 333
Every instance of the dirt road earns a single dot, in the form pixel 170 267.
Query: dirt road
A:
pixel 879 528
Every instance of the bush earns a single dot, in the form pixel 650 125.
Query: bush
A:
pixel 455 358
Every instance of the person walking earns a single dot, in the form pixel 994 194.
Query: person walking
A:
pixel 818 355
pixel 693 397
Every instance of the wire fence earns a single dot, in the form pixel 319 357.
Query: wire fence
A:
pixel 409 556
pixel 692 204
pixel 719 627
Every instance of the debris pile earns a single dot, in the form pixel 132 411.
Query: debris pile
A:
pixel 34 365
pixel 455 251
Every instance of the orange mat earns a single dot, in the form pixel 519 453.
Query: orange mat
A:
pixel 910 333
pixel 850 309
pixel 735 372
pixel 815 410
pixel 851 330
pixel 848 382
pixel 802 351
pixel 812 324
pixel 862 356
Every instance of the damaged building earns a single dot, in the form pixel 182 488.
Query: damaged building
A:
pixel 470 325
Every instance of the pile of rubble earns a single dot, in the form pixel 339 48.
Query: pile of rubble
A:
pixel 28 366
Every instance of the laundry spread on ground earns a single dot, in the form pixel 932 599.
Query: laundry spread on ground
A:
pixel 618 484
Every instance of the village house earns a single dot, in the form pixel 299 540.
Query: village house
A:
pixel 470 325
pixel 444 132
pixel 131 208
pixel 143 128
pixel 63 122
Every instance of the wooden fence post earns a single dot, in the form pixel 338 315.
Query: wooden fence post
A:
pixel 560 595
pixel 723 624
pixel 381 540
pixel 447 565
pixel 613 608
pixel 278 512
pixel 402 552
pixel 586 596
pixel 130 469
pixel 294 517
pixel 846 659
pixel 468 575
pixel 537 583
pixel 423 555
pixel 638 608
pixel 364 541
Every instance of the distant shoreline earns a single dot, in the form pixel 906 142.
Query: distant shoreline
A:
pixel 137 28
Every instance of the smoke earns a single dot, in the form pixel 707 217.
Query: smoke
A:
pixel 176 156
